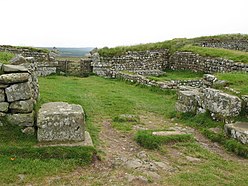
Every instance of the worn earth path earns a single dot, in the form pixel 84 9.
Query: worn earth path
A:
pixel 124 162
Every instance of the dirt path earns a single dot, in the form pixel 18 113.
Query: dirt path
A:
pixel 126 163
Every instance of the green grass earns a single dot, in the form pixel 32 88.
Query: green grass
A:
pixel 234 55
pixel 172 45
pixel 5 57
pixel 236 80
pixel 146 139
pixel 212 170
pixel 18 155
pixel 178 75
pixel 222 37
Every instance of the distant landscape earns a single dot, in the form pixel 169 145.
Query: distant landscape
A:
pixel 72 52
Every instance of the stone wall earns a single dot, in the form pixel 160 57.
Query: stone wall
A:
pixel 37 54
pixel 173 84
pixel 195 62
pixel 237 44
pixel 18 94
pixel 142 62
pixel 222 106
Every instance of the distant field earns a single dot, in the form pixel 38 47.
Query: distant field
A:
pixel 72 52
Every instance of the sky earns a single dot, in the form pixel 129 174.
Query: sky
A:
pixel 100 23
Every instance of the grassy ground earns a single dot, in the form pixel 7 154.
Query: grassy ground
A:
pixel 5 57
pixel 104 100
pixel 236 80
pixel 177 75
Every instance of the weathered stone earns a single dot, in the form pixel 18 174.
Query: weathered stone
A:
pixel 20 91
pixel 238 131
pixel 167 133
pixel 26 120
pixel 2 95
pixel 60 122
pixel 28 131
pixel 4 106
pixel 127 118
pixel 14 68
pixel 221 103
pixel 17 60
pixel 22 106
pixel 14 78
pixel 187 101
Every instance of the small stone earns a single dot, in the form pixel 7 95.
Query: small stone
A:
pixel 26 120
pixel 4 106
pixel 25 106
pixel 17 60
pixel 134 163
pixel 28 130
pixel 192 159
pixel 167 133
pixel 2 95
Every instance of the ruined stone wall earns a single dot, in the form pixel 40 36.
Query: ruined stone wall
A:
pixel 173 84
pixel 195 62
pixel 237 44
pixel 141 62
pixel 26 52
pixel 18 93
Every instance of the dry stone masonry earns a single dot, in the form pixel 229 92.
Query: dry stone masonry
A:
pixel 238 131
pixel 17 95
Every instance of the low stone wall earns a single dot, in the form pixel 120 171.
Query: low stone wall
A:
pixel 222 106
pixel 18 94
pixel 237 44
pixel 195 62
pixel 143 61
pixel 26 52
pixel 173 84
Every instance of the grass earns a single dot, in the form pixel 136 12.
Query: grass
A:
pixel 18 155
pixel 5 57
pixel 222 37
pixel 211 170
pixel 236 80
pixel 146 139
pixel 203 123
pixel 234 55
pixel 178 75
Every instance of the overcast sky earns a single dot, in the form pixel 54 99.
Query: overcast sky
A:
pixel 99 23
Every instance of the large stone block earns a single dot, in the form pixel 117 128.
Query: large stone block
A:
pixel 25 120
pixel 14 78
pixel 22 106
pixel 60 122
pixel 221 103
pixel 20 91
pixel 238 131
pixel 14 68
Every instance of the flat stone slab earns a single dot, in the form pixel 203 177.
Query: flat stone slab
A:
pixel 87 142
pixel 60 122
pixel 238 131
pixel 167 133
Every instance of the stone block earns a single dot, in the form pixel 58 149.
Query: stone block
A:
pixel 25 106
pixel 60 122
pixel 14 78
pixel 20 91
pixel 14 68
pixel 25 120
pixel 221 103
pixel 4 106
pixel 238 131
